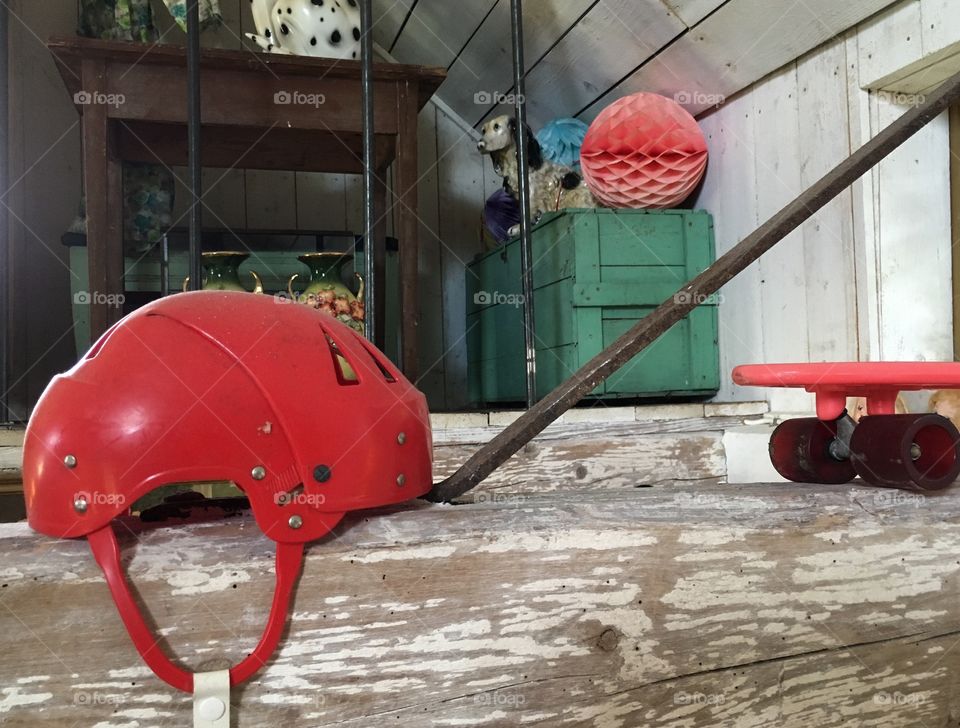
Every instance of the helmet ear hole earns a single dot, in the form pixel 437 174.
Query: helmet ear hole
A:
pixel 346 374
pixel 178 499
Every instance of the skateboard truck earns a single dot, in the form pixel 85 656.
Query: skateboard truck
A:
pixel 839 447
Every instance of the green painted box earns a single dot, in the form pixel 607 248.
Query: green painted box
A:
pixel 595 274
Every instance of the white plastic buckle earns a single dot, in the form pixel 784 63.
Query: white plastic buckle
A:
pixel 211 699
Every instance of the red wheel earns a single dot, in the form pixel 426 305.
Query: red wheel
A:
pixel 920 452
pixel 800 451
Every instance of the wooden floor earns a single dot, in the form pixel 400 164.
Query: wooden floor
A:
pixel 793 606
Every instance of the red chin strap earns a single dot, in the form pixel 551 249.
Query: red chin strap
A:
pixel 106 551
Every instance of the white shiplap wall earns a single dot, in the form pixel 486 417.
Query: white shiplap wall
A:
pixel 868 276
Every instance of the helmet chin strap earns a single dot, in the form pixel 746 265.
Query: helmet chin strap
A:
pixel 209 688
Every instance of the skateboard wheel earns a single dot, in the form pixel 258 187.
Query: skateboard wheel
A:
pixel 918 452
pixel 800 451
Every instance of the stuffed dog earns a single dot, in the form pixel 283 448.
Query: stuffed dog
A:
pixel 552 186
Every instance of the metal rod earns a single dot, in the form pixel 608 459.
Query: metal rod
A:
pixel 165 265
pixel 645 332
pixel 369 163
pixel 193 144
pixel 5 415
pixel 526 249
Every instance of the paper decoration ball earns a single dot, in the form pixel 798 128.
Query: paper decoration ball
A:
pixel 560 141
pixel 644 150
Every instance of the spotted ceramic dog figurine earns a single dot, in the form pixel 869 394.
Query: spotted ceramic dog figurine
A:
pixel 324 28
pixel 552 186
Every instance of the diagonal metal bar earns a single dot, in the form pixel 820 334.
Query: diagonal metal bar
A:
pixel 688 297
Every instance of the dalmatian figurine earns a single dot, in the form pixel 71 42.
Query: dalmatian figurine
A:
pixel 324 28
pixel 552 186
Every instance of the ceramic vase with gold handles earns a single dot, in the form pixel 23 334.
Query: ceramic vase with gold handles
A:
pixel 326 290
pixel 222 269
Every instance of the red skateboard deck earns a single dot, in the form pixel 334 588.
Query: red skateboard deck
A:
pixel 833 382
pixel 918 451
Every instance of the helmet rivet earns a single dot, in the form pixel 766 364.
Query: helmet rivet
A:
pixel 322 473
pixel 70 461
pixel 80 504
pixel 401 479
pixel 258 473
pixel 295 522
pixel 401 438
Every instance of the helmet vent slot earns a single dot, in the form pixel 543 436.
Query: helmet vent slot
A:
pixel 346 374
pixel 385 373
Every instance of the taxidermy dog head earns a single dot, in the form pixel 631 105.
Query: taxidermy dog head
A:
pixel 500 134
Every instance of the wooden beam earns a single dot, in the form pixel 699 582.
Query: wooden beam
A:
pixel 251 148
pixel 746 605
pixel 649 329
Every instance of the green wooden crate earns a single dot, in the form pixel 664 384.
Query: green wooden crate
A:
pixel 595 274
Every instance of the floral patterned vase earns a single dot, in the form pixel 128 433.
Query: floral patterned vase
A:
pixel 326 290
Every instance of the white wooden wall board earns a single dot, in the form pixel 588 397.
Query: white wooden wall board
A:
pixel 271 199
pixel 224 197
pixel 737 45
pixel 460 179
pixel 889 41
pixel 430 290
pixel 438 30
pixel 692 12
pixel 863 194
pixel 612 39
pixel 828 239
pixel 941 24
pixel 485 65
pixel 388 17
pixel 737 606
pixel 321 201
pixel 783 284
pixel 916 243
pixel 730 193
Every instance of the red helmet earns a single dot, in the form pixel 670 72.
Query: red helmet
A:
pixel 298 410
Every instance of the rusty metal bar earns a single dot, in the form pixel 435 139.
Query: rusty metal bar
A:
pixel 645 332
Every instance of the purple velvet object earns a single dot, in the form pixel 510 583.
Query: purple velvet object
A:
pixel 500 214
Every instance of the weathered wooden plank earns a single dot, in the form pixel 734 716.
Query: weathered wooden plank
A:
pixel 692 12
pixel 437 31
pixel 595 461
pixel 737 45
pixel 739 606
pixel 611 40
pixel 571 430
pixel 485 65
pixel 388 17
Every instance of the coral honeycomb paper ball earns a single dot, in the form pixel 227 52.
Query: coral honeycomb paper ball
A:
pixel 643 150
